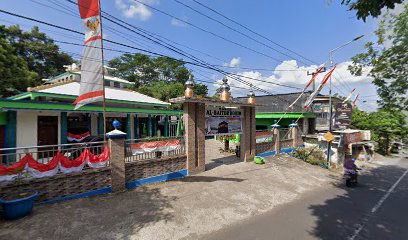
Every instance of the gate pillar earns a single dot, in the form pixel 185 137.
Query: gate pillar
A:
pixel 194 121
pixel 248 141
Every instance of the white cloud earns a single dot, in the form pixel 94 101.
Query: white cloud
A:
pixel 235 62
pixel 132 9
pixel 289 73
pixel 178 23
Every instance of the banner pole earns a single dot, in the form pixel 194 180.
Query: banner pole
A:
pixel 103 74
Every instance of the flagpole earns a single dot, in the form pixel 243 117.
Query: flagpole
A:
pixel 103 74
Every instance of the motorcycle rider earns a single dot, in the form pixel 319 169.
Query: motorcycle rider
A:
pixel 350 168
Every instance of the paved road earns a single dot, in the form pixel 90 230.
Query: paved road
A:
pixel 376 209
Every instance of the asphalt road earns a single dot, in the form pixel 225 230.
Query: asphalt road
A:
pixel 376 209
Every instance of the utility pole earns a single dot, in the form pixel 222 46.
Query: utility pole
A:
pixel 313 74
pixel 330 93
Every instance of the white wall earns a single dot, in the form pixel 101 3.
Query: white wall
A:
pixel 27 127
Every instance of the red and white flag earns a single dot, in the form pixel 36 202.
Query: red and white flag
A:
pixel 307 86
pixel 91 89
pixel 315 93
pixel 355 100
pixel 349 96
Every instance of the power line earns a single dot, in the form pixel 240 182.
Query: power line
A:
pixel 252 31
pixel 207 31
pixel 235 30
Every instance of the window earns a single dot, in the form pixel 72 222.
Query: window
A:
pixel 116 85
pixel 107 83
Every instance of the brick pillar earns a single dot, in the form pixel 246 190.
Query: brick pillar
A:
pixel 276 137
pixel 295 134
pixel 194 120
pixel 117 160
pixel 248 141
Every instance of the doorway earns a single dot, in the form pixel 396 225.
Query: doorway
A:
pixel 47 134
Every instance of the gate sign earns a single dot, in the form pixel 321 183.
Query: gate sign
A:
pixel 222 121
pixel 342 117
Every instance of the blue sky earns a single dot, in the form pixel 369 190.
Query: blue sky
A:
pixel 310 28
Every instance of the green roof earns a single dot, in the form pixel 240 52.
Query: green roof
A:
pixel 283 115
pixel 6 104
pixel 33 95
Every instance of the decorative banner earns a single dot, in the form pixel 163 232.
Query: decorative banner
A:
pixel 156 146
pixel 91 89
pixel 98 161
pixel 12 171
pixel 342 116
pixel 67 165
pixel 349 96
pixel 39 170
pixel 77 137
pixel 222 121
pixel 59 162
pixel 326 77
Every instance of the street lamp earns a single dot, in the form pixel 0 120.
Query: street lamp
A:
pixel 330 91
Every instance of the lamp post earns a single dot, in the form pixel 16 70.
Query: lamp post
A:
pixel 330 91
pixel 189 88
pixel 225 94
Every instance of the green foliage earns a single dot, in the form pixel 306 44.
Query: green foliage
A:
pixel 26 58
pixel 14 72
pixel 314 155
pixel 365 8
pixel 388 60
pixel 161 77
pixel 385 126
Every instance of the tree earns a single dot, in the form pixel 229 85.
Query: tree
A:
pixel 385 126
pixel 365 8
pixel 14 72
pixel 160 77
pixel 38 50
pixel 388 60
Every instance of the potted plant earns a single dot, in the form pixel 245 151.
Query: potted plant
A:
pixel 20 203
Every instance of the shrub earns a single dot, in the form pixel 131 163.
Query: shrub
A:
pixel 314 155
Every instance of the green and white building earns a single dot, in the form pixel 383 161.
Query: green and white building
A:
pixel 45 115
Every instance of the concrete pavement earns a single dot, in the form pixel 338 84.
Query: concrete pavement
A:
pixel 376 209
pixel 229 192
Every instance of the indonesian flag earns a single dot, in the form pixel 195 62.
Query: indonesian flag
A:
pixel 12 171
pixel 91 89
pixel 349 96
pixel 307 86
pixel 315 93
pixel 147 147
pixel 39 170
pixel 355 100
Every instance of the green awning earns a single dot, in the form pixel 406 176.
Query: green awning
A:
pixel 276 115
pixel 61 107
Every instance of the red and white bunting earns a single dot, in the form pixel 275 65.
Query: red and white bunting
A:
pixel 76 165
pixel 12 171
pixel 77 137
pixel 39 170
pixel 91 89
pixel 98 161
pixel 326 77
pixel 58 163
pixel 147 147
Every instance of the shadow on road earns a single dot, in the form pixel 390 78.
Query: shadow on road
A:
pixel 340 217
pixel 113 216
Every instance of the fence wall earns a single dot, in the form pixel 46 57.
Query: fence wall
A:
pixel 286 143
pixel 63 186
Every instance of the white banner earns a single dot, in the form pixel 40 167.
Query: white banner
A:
pixel 222 121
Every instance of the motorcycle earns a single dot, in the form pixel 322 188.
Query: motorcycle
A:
pixel 351 179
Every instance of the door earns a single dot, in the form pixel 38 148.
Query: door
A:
pixel 47 135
